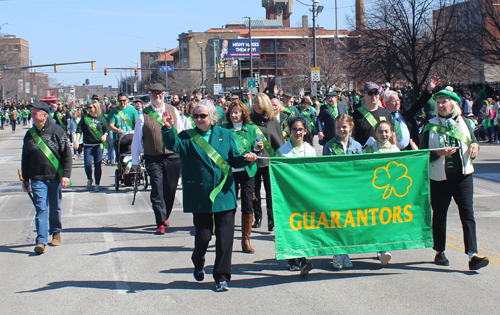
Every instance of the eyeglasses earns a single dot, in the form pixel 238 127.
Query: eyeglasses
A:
pixel 156 93
pixel 295 130
pixel 201 116
pixel 371 93
pixel 224 108
pixel 122 101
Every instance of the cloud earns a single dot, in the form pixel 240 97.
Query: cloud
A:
pixel 393 178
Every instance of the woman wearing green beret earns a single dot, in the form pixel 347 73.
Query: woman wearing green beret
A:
pixel 451 174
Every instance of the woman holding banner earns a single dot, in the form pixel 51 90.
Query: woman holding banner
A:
pixel 207 153
pixel 451 174
pixel 271 138
pixel 94 128
pixel 244 135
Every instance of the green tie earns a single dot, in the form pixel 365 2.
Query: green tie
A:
pixel 397 127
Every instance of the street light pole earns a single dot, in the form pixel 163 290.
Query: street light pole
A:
pixel 250 40
pixel 7 23
pixel 314 33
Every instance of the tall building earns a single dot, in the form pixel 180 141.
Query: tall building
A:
pixel 14 53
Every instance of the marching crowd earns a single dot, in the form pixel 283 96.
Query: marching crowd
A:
pixel 213 145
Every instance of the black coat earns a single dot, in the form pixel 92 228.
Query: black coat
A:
pixel 410 111
pixel 271 129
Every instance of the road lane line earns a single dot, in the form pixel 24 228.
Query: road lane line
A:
pixel 491 251
pixel 119 272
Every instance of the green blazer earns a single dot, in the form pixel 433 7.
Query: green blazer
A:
pixel 248 133
pixel 200 175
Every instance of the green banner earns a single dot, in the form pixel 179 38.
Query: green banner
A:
pixel 346 204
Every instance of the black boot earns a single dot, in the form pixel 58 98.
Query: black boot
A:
pixel 257 224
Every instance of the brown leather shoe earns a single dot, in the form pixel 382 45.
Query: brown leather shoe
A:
pixel 40 248
pixel 56 239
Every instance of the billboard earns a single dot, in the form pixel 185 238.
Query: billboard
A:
pixel 238 49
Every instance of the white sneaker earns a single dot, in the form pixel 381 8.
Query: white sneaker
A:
pixel 89 185
pixel 338 262
pixel 96 189
pixel 384 257
pixel 346 261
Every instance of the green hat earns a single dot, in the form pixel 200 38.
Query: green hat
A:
pixel 287 95
pixel 447 92
pixel 332 93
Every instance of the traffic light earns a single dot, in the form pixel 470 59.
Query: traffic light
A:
pixel 135 70
pixel 93 65
pixel 222 67
pixel 105 71
pixel 56 69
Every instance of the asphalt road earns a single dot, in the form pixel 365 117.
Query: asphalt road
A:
pixel 110 261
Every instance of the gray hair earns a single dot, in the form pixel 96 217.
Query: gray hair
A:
pixel 212 111
pixel 456 109
pixel 388 94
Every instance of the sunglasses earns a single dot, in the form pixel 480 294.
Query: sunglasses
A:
pixel 122 101
pixel 371 93
pixel 294 130
pixel 201 116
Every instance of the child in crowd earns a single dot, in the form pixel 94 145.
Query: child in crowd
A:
pixel 300 145
pixel 340 145
pixel 383 132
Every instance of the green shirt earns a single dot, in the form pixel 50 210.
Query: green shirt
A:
pixel 114 117
pixel 88 135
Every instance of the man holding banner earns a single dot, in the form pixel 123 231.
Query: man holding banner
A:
pixel 46 162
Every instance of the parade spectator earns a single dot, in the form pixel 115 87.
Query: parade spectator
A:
pixel 163 166
pixel 270 139
pixel 451 172
pixel 42 177
pixel 308 112
pixel 201 175
pixel 94 129
pixel 13 115
pixel 300 145
pixel 238 117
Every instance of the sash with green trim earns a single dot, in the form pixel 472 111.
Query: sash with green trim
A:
pixel 48 152
pixel 449 132
pixel 368 116
pixel 267 145
pixel 96 132
pixel 129 123
pixel 336 147
pixel 214 156
pixel 59 119
pixel 244 147
pixel 306 114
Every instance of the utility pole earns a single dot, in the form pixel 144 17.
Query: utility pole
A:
pixel 314 32
pixel 250 40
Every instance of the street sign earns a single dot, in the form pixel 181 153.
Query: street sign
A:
pixel 251 82
pixel 217 89
pixel 203 86
pixel 315 75
pixel 169 68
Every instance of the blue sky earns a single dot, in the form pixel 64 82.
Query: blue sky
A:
pixel 113 33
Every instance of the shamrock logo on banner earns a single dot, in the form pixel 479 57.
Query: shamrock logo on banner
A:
pixel 393 178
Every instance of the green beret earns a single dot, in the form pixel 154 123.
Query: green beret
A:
pixel 449 94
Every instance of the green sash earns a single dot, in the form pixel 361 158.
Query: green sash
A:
pixel 303 111
pixel 59 119
pixel 214 156
pixel 190 119
pixel 369 149
pixel 96 132
pixel 336 147
pixel 368 116
pixel 447 131
pixel 244 146
pixel 152 113
pixel 397 127
pixel 122 115
pixel 48 153
pixel 333 109
pixel 267 145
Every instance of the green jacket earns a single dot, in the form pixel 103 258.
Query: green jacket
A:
pixel 248 133
pixel 200 175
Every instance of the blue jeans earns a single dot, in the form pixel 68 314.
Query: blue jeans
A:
pixel 47 197
pixel 13 125
pixel 93 154
pixel 111 155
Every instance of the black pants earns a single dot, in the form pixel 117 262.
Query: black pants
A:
pixel 163 171
pixel 461 188
pixel 247 185
pixel 224 234
pixel 263 174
